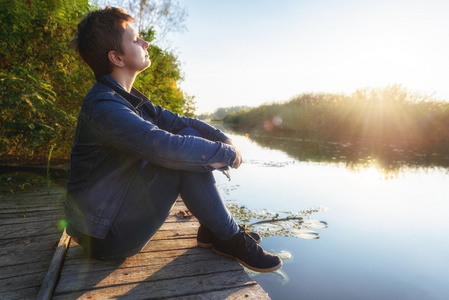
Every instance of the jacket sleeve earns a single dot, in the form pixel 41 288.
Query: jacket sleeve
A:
pixel 119 126
pixel 172 122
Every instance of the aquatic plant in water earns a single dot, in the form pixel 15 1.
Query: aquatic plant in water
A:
pixel 284 223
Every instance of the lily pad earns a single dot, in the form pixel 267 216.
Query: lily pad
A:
pixel 314 224
pixel 305 234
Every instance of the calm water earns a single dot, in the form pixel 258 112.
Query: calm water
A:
pixel 387 234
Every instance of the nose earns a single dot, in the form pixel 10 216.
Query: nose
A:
pixel 145 45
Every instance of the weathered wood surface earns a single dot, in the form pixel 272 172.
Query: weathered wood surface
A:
pixel 170 266
pixel 29 234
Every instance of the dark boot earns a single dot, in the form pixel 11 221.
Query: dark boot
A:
pixel 244 249
pixel 205 237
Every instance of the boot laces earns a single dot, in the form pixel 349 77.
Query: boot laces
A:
pixel 245 241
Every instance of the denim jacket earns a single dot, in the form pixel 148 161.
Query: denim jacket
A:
pixel 116 131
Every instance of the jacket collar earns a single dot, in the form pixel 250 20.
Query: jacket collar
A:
pixel 135 98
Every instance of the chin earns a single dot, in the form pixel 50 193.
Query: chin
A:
pixel 146 67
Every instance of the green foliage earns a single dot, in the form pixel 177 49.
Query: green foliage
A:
pixel 38 94
pixel 29 118
pixel 43 82
pixel 221 112
pixel 390 114
pixel 188 106
pixel 160 81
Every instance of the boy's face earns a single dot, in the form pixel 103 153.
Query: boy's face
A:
pixel 135 55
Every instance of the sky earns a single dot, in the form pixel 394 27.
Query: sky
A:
pixel 251 52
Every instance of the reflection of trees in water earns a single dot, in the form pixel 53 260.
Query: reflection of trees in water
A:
pixel 389 158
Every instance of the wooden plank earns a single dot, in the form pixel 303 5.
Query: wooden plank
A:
pixel 23 205
pixel 179 227
pixel 21 211
pixel 26 258
pixel 149 259
pixel 180 239
pixel 29 200
pixel 19 282
pixel 50 280
pixel 32 217
pixel 170 266
pixel 248 292
pixel 21 230
pixel 37 200
pixel 225 282
pixel 164 246
pixel 18 250
pixel 143 258
pixel 161 271
pixel 28 240
pixel 42 190
pixel 31 205
pixel 15 270
pixel 25 293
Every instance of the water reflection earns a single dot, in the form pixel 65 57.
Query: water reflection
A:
pixel 388 158
pixel 284 278
pixel 382 233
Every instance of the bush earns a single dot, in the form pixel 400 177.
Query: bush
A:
pixel 30 122
pixel 39 98
pixel 43 82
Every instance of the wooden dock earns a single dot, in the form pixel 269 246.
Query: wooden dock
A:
pixel 29 234
pixel 171 266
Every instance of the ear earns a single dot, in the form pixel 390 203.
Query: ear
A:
pixel 116 59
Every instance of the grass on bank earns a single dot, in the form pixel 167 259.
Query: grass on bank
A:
pixel 390 115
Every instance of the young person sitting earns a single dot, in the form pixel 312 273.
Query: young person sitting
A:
pixel 131 159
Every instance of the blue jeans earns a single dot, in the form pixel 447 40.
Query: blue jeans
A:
pixel 148 202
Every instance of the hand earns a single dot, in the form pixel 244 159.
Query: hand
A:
pixel 238 158
pixel 218 165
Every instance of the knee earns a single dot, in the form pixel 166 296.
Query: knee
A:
pixel 189 131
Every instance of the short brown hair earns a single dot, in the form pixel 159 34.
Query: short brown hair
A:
pixel 98 33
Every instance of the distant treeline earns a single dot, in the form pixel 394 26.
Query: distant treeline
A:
pixel 221 112
pixel 386 115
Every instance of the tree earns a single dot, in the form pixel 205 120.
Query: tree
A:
pixel 160 81
pixel 43 82
pixel 161 16
pixel 189 105
pixel 37 72
pixel 156 18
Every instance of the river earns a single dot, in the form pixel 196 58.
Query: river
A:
pixel 382 223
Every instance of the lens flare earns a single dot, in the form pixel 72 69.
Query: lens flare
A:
pixel 277 121
pixel 62 224
pixel 268 125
